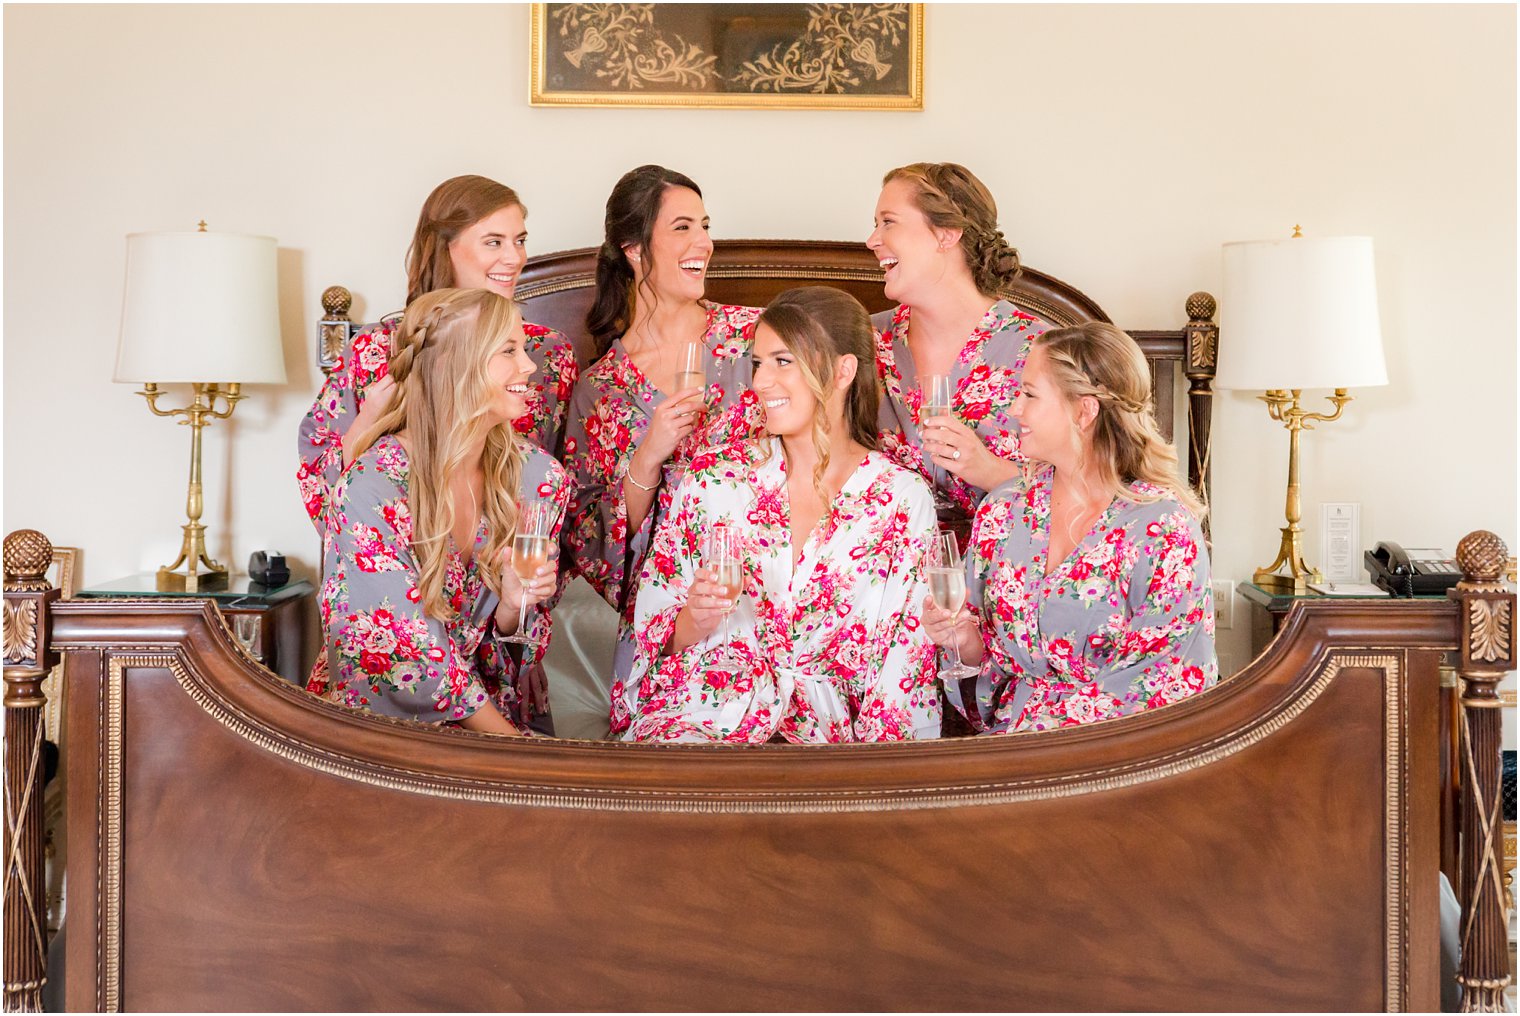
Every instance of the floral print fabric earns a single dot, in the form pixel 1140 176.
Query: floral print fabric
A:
pixel 831 652
pixel 987 377
pixel 610 412
pixel 1125 623
pixel 319 443
pixel 383 653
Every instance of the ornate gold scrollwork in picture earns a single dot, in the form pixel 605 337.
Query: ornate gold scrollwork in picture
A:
pixel 778 56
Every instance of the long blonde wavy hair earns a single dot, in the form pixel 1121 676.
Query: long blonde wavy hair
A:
pixel 443 392
pixel 819 324
pixel 1102 361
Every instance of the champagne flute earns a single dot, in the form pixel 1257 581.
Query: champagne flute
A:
pixel 947 586
pixel 249 629
pixel 530 550
pixel 692 372
pixel 720 556
pixel 939 396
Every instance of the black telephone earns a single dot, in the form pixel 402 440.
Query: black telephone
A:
pixel 1411 572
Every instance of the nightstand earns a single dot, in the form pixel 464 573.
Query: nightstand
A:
pixel 286 641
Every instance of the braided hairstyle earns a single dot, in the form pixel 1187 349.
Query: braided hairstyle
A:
pixel 632 208
pixel 443 393
pixel 951 197
pixel 1102 361
pixel 454 206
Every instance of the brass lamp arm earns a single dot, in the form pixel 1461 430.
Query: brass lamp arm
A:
pixel 1283 407
pixel 204 404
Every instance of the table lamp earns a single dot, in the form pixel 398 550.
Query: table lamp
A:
pixel 201 308
pixel 1299 313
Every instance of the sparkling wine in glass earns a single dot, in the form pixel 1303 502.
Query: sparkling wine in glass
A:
pixel 720 556
pixel 691 373
pixel 947 587
pixel 939 396
pixel 530 551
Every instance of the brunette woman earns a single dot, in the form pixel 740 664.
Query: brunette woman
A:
pixel 1088 576
pixel 417 543
pixel 827 538
pixel 470 234
pixel 643 409
pixel 947 265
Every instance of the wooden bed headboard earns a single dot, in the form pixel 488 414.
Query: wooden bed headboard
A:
pixel 556 290
pixel 1269 844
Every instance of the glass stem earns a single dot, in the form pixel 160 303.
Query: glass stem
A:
pixel 955 644
pixel 522 615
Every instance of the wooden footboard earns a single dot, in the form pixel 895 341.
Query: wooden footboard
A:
pixel 1271 844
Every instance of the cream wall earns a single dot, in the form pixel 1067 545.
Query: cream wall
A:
pixel 1125 144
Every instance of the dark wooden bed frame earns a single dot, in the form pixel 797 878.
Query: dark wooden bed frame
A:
pixel 1273 843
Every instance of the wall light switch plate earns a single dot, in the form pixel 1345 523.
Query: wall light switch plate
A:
pixel 1224 605
pixel 1341 541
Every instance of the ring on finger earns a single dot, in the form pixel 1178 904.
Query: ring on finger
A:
pixel 956 454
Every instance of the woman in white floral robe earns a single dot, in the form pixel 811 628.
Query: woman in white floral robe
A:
pixel 822 644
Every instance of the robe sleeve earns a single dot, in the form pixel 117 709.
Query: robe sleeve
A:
pixel 384 653
pixel 984 553
pixel 319 442
pixel 1164 651
pixel 665 580
pixel 901 699
pixel 599 443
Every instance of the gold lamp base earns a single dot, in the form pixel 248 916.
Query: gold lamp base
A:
pixel 191 582
pixel 1283 406
pixel 201 573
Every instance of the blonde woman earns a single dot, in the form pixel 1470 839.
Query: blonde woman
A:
pixel 1088 576
pixel 418 532
pixel 827 541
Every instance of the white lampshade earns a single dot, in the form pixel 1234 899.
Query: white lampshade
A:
pixel 1300 313
pixel 200 307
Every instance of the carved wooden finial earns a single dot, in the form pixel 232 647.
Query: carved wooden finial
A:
pixel 1482 556
pixel 1201 307
pixel 28 554
pixel 336 301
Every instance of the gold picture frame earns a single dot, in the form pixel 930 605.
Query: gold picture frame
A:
pixel 728 56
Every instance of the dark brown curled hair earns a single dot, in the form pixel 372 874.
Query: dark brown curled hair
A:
pixel 454 206
pixel 819 324
pixel 951 197
pixel 632 208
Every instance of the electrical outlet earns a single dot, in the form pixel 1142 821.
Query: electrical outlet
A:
pixel 1224 605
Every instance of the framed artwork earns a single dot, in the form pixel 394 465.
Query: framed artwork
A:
pixel 724 56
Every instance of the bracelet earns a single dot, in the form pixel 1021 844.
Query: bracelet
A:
pixel 628 475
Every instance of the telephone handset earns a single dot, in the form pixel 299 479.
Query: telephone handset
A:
pixel 1411 572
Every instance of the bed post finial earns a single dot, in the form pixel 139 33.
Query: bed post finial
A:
pixel 334 330
pixel 27 662
pixel 1486 652
pixel 1202 360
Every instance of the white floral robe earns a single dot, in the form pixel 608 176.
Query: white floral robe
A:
pixel 1125 623
pixel 833 651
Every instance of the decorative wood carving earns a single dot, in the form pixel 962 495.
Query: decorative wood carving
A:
pixel 335 329
pixel 1486 652
pixel 27 555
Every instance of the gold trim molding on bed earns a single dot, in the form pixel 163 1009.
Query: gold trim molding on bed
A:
pixel 726 56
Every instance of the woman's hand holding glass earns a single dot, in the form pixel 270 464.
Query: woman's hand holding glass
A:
pixel 946 620
pixel 952 445
pixel 529 576
pixel 714 591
